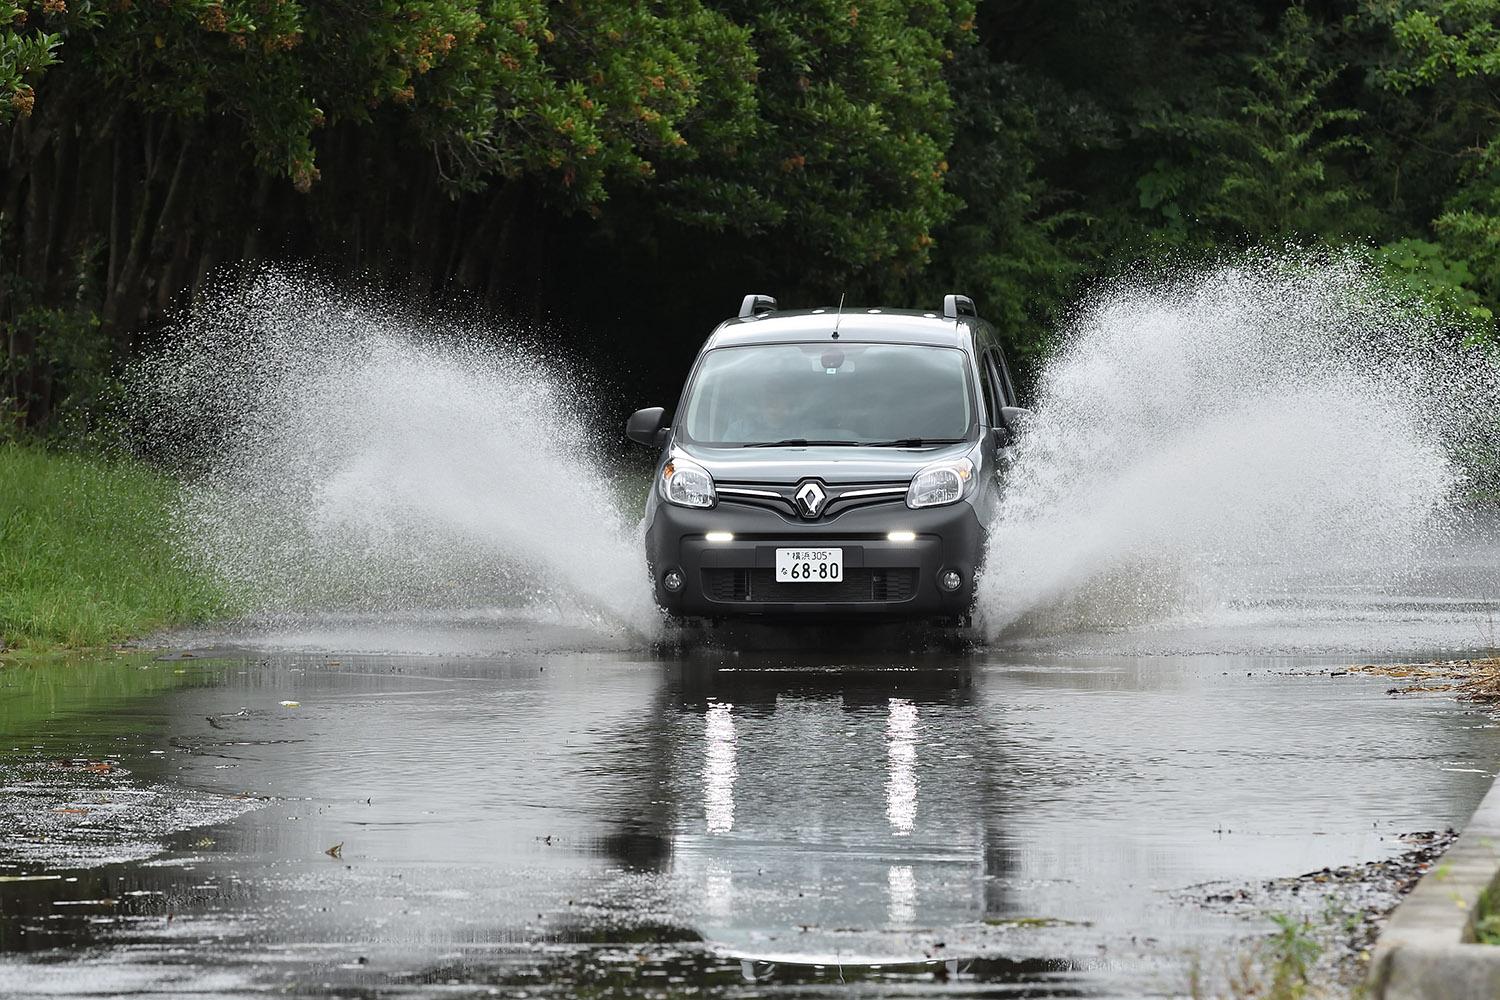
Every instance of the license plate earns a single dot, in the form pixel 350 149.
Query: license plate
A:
pixel 809 565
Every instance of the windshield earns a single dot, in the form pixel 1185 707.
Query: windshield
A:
pixel 830 393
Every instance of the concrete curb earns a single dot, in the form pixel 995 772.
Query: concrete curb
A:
pixel 1427 951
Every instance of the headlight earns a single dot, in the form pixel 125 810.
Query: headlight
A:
pixel 687 485
pixel 941 484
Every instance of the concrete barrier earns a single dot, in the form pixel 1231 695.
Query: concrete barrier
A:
pixel 1427 951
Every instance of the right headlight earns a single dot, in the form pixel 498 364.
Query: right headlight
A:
pixel 941 484
pixel 687 485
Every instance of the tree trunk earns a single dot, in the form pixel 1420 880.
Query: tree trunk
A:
pixel 116 214
pixel 168 236
pixel 250 250
pixel 121 306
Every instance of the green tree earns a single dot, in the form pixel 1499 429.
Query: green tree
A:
pixel 429 140
pixel 1448 52
pixel 27 48
pixel 1265 151
pixel 1014 243
pixel 574 92
pixel 845 163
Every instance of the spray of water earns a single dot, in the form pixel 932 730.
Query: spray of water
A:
pixel 341 454
pixel 1200 442
pixel 1208 439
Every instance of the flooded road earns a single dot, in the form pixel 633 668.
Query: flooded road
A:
pixel 1231 489
pixel 585 820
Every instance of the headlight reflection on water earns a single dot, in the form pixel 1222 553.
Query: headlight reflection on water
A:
pixel 720 767
pixel 901 755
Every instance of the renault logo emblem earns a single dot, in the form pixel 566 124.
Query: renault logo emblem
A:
pixel 810 497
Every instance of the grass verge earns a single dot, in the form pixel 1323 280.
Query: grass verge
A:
pixel 1487 918
pixel 85 557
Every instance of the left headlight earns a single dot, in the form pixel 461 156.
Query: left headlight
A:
pixel 941 484
pixel 687 485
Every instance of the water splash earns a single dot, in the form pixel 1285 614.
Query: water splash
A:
pixel 343 454
pixel 1206 441
pixel 1201 445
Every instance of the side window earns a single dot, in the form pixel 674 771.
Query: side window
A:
pixel 1002 378
pixel 987 389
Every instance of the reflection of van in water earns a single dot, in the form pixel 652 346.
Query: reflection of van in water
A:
pixel 830 463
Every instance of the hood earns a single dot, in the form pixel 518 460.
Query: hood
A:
pixel 838 464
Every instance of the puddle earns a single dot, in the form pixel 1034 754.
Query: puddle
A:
pixel 737 823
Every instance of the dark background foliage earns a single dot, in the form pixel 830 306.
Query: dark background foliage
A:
pixel 619 173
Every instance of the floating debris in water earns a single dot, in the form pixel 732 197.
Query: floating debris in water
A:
pixel 82 817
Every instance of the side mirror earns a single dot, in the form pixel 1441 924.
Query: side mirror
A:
pixel 645 426
pixel 1013 420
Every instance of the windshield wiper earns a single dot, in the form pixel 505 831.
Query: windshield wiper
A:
pixel 913 442
pixel 794 443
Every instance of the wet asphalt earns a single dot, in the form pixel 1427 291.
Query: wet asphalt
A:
pixel 576 818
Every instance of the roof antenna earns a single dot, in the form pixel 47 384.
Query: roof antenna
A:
pixel 837 319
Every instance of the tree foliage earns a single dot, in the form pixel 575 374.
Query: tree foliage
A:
pixel 554 158
pixel 27 47
pixel 1269 141
pixel 1446 53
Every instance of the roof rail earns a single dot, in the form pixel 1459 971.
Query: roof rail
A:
pixel 955 306
pixel 754 305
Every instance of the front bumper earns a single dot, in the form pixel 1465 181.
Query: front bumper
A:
pixel 881 577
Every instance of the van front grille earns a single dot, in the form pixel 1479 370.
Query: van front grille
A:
pixel 859 586
pixel 781 497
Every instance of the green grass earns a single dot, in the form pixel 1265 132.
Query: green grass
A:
pixel 85 558
pixel 1487 919
pixel 1281 967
